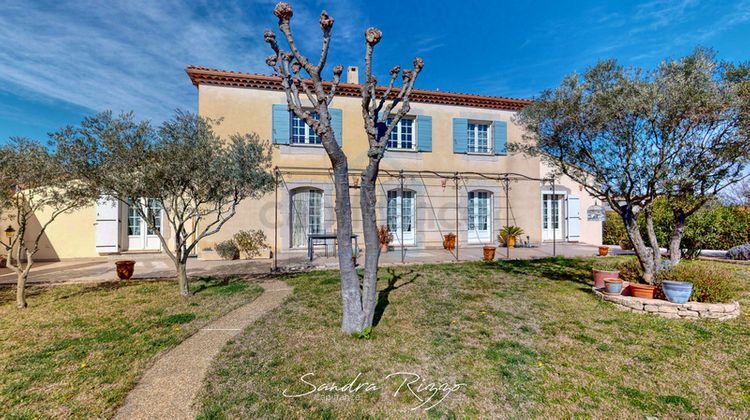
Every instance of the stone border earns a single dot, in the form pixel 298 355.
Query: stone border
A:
pixel 667 309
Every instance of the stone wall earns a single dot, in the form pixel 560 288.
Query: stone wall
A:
pixel 690 310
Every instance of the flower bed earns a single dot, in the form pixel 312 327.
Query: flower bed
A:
pixel 690 310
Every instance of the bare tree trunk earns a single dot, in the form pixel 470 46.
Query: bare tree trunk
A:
pixel 368 201
pixel 22 277
pixel 182 279
pixel 643 253
pixel 653 241
pixel 675 252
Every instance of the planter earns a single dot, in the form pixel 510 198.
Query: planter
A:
pixel 512 242
pixel 449 242
pixel 383 247
pixel 603 251
pixel 125 269
pixel 642 290
pixel 3 262
pixel 600 275
pixel 677 291
pixel 613 286
pixel 489 253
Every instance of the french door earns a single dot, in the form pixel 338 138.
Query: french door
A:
pixel 401 216
pixel 551 216
pixel 480 217
pixel 140 236
pixel 306 215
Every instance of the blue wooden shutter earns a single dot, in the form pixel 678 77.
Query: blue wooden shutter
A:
pixel 281 120
pixel 574 218
pixel 337 123
pixel 460 127
pixel 424 133
pixel 500 137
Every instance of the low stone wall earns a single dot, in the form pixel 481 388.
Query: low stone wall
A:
pixel 667 309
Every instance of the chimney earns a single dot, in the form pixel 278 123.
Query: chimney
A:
pixel 352 75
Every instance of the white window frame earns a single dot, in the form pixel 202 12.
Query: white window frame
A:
pixel 310 138
pixel 472 209
pixel 472 138
pixel 400 134
pixel 308 214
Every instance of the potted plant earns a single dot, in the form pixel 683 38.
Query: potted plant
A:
pixel 677 291
pixel 509 234
pixel 3 261
pixel 641 290
pixel 603 251
pixel 449 241
pixel 488 253
pixel 612 286
pixel 385 237
pixel 605 269
pixel 125 269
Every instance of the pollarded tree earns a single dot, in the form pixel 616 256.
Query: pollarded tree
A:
pixel 382 109
pixel 35 192
pixel 195 176
pixel 630 136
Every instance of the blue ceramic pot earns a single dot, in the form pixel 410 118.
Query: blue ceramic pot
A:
pixel 677 291
pixel 613 287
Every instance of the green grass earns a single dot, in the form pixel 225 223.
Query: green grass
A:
pixel 527 338
pixel 77 350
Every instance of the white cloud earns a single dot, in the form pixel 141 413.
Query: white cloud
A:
pixel 131 55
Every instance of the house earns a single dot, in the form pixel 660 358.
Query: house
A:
pixel 447 170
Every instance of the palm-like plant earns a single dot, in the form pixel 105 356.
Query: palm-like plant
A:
pixel 509 234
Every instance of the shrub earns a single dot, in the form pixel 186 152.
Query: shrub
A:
pixel 227 250
pixel 631 271
pixel 607 264
pixel 740 252
pixel 251 242
pixel 613 230
pixel 711 283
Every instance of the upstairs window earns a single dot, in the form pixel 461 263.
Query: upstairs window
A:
pixel 303 133
pixel 478 138
pixel 402 136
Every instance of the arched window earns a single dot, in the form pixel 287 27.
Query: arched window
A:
pixel 479 212
pixel 306 214
pixel 401 216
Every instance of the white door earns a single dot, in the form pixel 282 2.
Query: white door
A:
pixel 306 214
pixel 401 216
pixel 551 217
pixel 140 236
pixel 480 217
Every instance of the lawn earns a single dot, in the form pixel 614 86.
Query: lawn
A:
pixel 77 350
pixel 527 339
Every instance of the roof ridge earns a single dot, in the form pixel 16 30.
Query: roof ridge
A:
pixel 211 76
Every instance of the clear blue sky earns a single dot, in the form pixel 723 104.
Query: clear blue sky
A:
pixel 62 60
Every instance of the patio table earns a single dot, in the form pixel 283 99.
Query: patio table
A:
pixel 325 237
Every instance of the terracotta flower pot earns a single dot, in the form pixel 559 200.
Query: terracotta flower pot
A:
pixel 383 247
pixel 642 290
pixel 512 242
pixel 125 269
pixel 600 275
pixel 489 253
pixel 603 251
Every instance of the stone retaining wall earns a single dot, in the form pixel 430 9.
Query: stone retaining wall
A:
pixel 667 309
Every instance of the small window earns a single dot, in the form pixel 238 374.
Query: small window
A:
pixel 134 221
pixel 402 136
pixel 303 133
pixel 478 138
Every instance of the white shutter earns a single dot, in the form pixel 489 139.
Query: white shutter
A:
pixel 107 225
pixel 574 218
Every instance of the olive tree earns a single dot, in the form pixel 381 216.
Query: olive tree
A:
pixel 197 177
pixel 629 136
pixel 382 109
pixel 35 192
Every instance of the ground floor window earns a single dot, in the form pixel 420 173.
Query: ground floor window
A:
pixel 401 216
pixel 480 216
pixel 306 215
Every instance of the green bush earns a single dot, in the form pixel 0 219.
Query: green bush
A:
pixel 227 250
pixel 711 282
pixel 607 264
pixel 631 271
pixel 251 242
pixel 715 226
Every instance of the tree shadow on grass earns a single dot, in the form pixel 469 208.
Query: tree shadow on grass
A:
pixel 555 269
pixel 383 295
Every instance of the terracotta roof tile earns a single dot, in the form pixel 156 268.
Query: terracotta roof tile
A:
pixel 207 76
